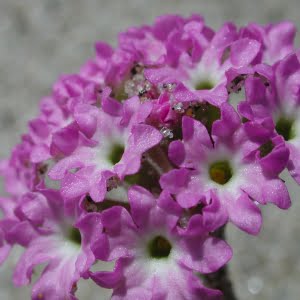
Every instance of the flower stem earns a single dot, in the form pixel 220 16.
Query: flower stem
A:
pixel 220 280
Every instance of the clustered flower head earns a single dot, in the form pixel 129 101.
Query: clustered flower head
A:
pixel 142 156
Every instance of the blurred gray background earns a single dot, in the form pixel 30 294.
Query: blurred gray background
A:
pixel 41 39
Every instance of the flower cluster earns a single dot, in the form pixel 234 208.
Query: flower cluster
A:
pixel 143 156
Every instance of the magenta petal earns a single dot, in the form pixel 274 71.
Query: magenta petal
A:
pixel 183 94
pixel 36 254
pixel 167 203
pixel 162 75
pixel 60 169
pixel 58 281
pixel 33 208
pixel 100 247
pixel 90 227
pixel 214 214
pixel 142 138
pixel 281 37
pixel 244 214
pixel 64 141
pixel 109 105
pixel 109 280
pixel 176 152
pixel 88 222
pixel 86 118
pixel 39 128
pixel 195 132
pixel 141 201
pixel 103 50
pixel 245 110
pixel 195 227
pixel 213 254
pixel 188 198
pixel 7 206
pixel 40 153
pixel 228 124
pixel 21 233
pixel 122 231
pixel 135 112
pixel 175 180
pixel 224 36
pixel 259 132
pixel 276 161
pixel 275 191
pixel 98 188
pixel 244 51
pixel 75 185
pixel 294 163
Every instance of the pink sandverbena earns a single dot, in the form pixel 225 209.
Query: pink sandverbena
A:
pixel 142 158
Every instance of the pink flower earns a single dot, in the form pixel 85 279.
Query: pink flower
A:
pixel 50 237
pixel 116 147
pixel 8 220
pixel 205 78
pixel 153 256
pixel 274 110
pixel 230 166
pixel 140 158
pixel 277 40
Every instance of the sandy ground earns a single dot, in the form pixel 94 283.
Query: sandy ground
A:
pixel 41 39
